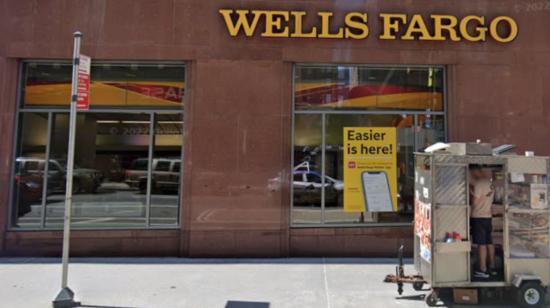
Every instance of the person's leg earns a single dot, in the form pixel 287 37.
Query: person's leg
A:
pixel 488 226
pixel 479 238
pixel 482 254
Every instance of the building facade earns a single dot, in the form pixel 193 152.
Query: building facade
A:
pixel 216 127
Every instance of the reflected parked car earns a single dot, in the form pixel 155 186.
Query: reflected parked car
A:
pixel 84 180
pixel 165 175
pixel 307 187
pixel 29 192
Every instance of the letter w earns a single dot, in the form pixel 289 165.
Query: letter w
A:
pixel 242 22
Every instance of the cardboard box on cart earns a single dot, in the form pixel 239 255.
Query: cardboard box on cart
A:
pixel 465 296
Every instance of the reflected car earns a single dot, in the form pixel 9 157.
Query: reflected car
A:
pixel 84 180
pixel 29 192
pixel 307 187
pixel 137 171
pixel 165 175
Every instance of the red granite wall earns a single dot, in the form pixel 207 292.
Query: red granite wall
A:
pixel 238 109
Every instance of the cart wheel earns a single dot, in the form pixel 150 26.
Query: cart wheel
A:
pixel 431 298
pixel 531 294
pixel 417 286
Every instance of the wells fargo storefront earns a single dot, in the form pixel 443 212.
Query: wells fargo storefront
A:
pixel 216 129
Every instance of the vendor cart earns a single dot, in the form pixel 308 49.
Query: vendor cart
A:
pixel 444 255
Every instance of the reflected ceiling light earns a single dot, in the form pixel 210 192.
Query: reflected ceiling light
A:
pixel 170 122
pixel 123 122
pixel 135 122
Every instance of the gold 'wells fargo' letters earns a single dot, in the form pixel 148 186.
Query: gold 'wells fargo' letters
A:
pixel 290 24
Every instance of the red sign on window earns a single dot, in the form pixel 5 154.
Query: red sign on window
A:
pixel 83 87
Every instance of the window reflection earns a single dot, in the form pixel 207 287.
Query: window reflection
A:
pixel 111 175
pixel 28 182
pixel 360 87
pixel 430 129
pixel 106 145
pixel 407 98
pixel 307 182
pixel 112 84
pixel 127 162
pixel 166 174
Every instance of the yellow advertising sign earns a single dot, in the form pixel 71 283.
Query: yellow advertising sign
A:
pixel 370 169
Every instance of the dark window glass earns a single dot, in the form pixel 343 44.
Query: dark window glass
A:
pixel 176 167
pixel 314 178
pixel 162 166
pixel 53 167
pixel 30 166
pixel 139 164
pixel 429 130
pixel 28 182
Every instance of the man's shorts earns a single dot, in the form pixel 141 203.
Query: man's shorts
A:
pixel 481 231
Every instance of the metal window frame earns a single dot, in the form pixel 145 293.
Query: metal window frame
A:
pixel 323 113
pixel 46 171
pixel 150 150
pixel 323 167
pixel 150 111
pixel 15 142
pixel 152 140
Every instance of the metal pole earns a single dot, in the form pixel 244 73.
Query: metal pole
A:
pixel 323 169
pixel 149 188
pixel 65 298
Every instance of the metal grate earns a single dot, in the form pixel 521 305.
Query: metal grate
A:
pixel 451 219
pixel 450 185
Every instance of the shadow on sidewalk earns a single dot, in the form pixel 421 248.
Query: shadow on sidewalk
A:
pixel 101 306
pixel 229 304
pixel 241 304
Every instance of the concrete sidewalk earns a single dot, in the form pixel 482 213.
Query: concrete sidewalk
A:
pixel 209 283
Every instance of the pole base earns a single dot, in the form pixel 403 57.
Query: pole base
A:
pixel 65 299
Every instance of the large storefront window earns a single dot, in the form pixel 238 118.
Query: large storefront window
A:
pixel 327 99
pixel 128 161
